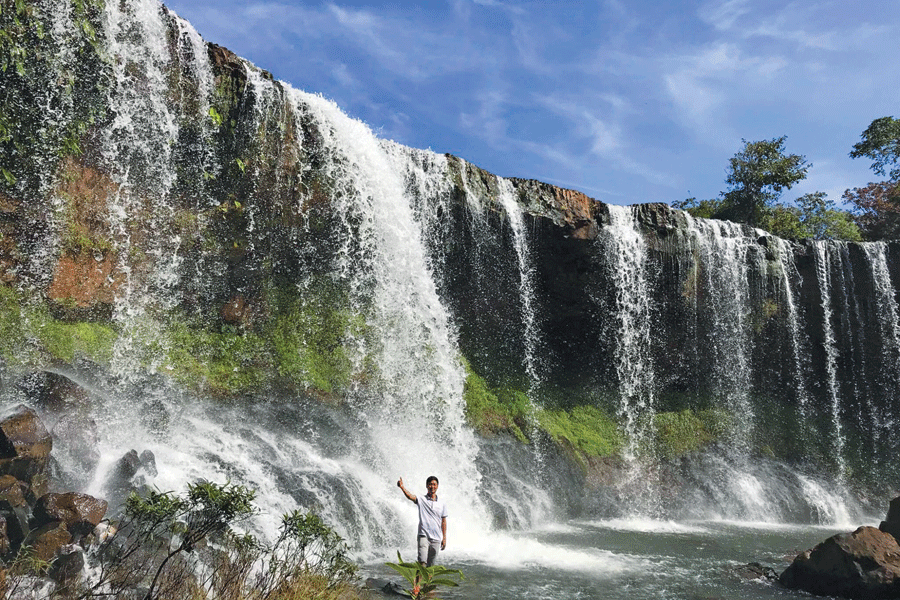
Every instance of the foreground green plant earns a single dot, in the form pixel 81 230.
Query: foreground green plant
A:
pixel 425 580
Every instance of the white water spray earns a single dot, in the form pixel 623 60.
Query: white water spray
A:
pixel 823 272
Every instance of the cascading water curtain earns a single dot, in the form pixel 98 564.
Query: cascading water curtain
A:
pixel 823 257
pixel 626 249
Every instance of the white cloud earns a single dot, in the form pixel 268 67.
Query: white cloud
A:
pixel 724 15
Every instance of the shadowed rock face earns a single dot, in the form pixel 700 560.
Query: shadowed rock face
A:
pixel 862 564
pixel 25 444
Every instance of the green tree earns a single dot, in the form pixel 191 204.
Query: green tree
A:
pixel 758 174
pixel 881 142
pixel 877 209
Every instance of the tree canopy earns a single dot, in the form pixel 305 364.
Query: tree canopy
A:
pixel 877 205
pixel 881 142
pixel 757 176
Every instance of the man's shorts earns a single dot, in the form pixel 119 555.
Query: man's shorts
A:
pixel 428 550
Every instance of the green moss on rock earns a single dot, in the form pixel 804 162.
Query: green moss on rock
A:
pixel 492 411
pixel 29 334
pixel 309 333
pixel 679 433
pixel 585 429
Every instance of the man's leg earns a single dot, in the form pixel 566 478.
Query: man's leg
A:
pixel 424 550
pixel 433 548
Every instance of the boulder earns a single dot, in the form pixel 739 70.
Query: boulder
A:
pixel 80 513
pixel 25 444
pixel 68 564
pixel 891 523
pixel 52 391
pixel 76 440
pixel 47 540
pixel 129 474
pixel 862 564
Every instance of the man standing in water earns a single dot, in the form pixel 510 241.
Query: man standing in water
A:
pixel 432 521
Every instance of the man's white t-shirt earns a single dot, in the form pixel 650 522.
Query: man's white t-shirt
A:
pixel 430 514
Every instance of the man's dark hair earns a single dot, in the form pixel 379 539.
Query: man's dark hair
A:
pixel 427 481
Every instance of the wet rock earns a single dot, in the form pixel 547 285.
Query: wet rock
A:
pixel 81 513
pixel 756 570
pixel 862 564
pixel 5 544
pixel 40 485
pixel 47 540
pixel 68 564
pixel 52 391
pixel 148 463
pixel 130 474
pixel 76 440
pixel 14 510
pixel 25 444
pixel 12 492
pixel 388 587
pixel 891 523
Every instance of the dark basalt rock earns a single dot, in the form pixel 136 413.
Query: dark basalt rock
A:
pixel 25 444
pixel 80 513
pixel 862 564
pixel 891 523
pixel 47 540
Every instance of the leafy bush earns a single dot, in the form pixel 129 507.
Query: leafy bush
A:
pixel 425 580
pixel 175 547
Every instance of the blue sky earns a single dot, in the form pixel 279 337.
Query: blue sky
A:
pixel 627 101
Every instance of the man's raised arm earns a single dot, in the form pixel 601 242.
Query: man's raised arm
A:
pixel 406 491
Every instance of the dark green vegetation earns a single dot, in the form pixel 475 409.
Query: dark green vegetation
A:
pixel 762 170
pixel 584 430
pixel 30 85
pixel 162 536
pixel 877 204
pixel 423 581
pixel 757 177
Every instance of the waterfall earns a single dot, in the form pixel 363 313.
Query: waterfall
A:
pixel 634 366
pixel 888 380
pixel 798 341
pixel 823 271
pixel 430 259
pixel 514 213
pixel 417 423
pixel 137 150
pixel 724 253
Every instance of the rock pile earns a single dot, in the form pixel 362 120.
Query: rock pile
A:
pixel 50 524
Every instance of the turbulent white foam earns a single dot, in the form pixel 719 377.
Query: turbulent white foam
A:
pixel 830 508
pixel 520 553
pixel 646 526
